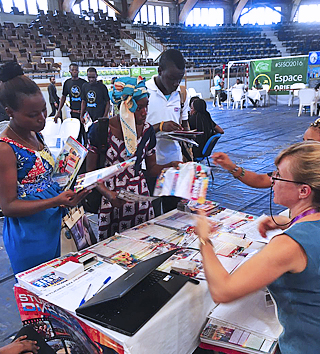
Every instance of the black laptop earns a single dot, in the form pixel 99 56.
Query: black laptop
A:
pixel 130 301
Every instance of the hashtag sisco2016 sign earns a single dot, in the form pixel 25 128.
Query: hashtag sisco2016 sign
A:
pixel 279 73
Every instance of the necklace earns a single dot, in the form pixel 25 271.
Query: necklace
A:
pixel 28 143
pixel 303 214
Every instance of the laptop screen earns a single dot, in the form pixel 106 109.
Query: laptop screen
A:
pixel 128 280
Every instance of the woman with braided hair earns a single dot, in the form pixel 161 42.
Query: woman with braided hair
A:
pixel 128 135
pixel 31 202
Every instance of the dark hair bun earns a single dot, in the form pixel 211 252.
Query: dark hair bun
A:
pixel 10 70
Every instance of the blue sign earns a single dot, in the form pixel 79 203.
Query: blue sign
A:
pixel 314 58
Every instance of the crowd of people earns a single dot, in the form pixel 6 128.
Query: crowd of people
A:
pixel 33 204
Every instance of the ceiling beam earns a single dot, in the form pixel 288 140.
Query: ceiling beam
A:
pixel 295 5
pixel 134 8
pixel 188 6
pixel 238 10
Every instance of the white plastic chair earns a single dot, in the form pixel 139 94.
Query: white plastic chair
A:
pixel 69 127
pixel 307 97
pixel 51 131
pixel 3 125
pixel 192 92
pixel 238 97
pixel 295 93
pixel 266 88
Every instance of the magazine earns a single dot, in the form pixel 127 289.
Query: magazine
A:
pixel 91 179
pixel 68 162
pixel 87 121
pixel 189 182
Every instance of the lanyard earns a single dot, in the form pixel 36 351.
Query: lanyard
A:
pixel 305 213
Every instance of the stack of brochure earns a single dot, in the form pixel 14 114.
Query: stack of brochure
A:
pixel 247 325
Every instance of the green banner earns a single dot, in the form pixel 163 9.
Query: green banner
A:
pixel 279 73
pixel 106 74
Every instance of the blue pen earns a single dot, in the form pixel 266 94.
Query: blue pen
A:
pixel 104 283
pixel 84 297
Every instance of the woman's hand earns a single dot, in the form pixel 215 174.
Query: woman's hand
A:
pixel 171 126
pixel 20 345
pixel 175 164
pixel 202 226
pixel 114 200
pixel 70 198
pixel 222 159
pixel 268 224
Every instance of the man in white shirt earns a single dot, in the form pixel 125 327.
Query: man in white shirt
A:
pixel 217 87
pixel 167 112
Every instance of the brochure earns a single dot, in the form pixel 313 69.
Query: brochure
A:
pixel 189 182
pixel 131 197
pixel 87 121
pixel 68 162
pixel 179 136
pixel 91 179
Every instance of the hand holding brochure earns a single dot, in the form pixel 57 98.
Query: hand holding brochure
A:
pixel 69 162
pixel 190 181
pixel 91 179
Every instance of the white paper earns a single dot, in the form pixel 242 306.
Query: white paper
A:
pixel 250 313
pixel 252 232
pixel 69 295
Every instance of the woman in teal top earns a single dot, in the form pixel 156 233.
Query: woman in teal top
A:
pixel 31 202
pixel 289 265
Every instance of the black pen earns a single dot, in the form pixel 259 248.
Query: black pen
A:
pixel 191 280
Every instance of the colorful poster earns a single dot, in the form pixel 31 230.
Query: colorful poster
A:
pixel 60 329
pixel 279 73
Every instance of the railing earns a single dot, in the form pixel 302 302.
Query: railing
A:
pixel 150 39
pixel 131 41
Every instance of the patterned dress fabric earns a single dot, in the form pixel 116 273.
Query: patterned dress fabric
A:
pixel 111 219
pixel 34 239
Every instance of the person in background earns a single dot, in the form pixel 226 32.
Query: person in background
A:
pixel 72 87
pixel 30 200
pixel 256 86
pixel 54 99
pixel 95 97
pixel 128 135
pixel 217 87
pixel 200 119
pixel 259 180
pixel 167 112
pixel 289 264
pixel 240 85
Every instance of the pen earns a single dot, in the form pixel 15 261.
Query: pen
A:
pixel 104 283
pixel 84 297
pixel 191 280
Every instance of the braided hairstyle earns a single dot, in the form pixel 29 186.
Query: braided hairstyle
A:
pixel 14 85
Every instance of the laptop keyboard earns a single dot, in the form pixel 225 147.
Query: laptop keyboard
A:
pixel 117 306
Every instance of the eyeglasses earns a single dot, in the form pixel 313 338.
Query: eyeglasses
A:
pixel 275 177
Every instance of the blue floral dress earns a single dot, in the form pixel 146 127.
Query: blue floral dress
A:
pixel 34 239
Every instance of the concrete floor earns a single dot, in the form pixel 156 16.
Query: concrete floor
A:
pixel 252 139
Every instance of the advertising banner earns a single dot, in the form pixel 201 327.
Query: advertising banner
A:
pixel 279 73
pixel 314 69
pixel 106 74
pixel 63 331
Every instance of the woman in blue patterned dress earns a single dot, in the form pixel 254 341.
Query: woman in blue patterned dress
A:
pixel 30 200
pixel 128 135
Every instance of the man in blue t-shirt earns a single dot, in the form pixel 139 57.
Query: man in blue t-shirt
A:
pixel 95 97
